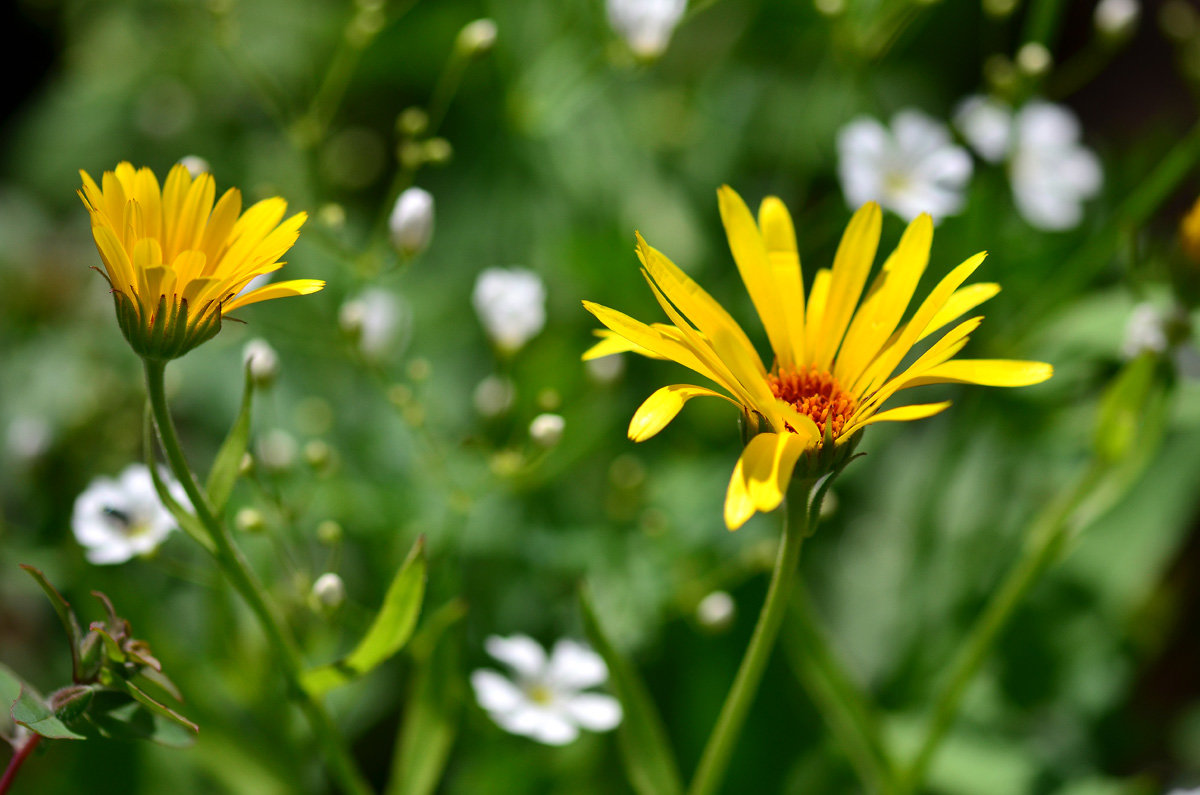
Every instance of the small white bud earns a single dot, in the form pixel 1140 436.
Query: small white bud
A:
pixel 646 25
pixel 262 360
pixel 249 520
pixel 547 429
pixel 329 532
pixel 411 222
pixel 606 369
pixel 477 37
pixel 1034 59
pixel 493 396
pixel 1116 18
pixel 195 165
pixel 329 592
pixel 277 450
pixel 715 611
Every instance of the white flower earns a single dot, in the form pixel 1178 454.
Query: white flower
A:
pixel 411 222
pixel 547 429
pixel 262 360
pixel 646 25
pixel 1052 173
pixel 1145 331
pixel 27 437
pixel 375 317
pixel 912 168
pixel 118 519
pixel 277 450
pixel 511 304
pixel 545 698
pixel 716 610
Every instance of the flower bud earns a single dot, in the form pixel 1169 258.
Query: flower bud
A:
pixel 195 165
pixel 317 454
pixel 476 37
pixel 412 122
pixel 262 360
pixel 249 520
pixel 493 396
pixel 546 429
pixel 437 151
pixel 1116 19
pixel 329 532
pixel 411 222
pixel 328 592
pixel 511 304
pixel 277 450
pixel 715 611
pixel 1034 60
pixel 646 25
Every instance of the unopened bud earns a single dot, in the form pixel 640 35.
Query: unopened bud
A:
pixel 329 592
pixel 1034 60
pixel 1116 19
pixel 412 122
pixel 715 611
pixel 437 151
pixel 246 465
pixel 195 165
pixel 317 454
pixel 477 37
pixel 411 222
pixel 277 450
pixel 262 360
pixel 547 429
pixel 329 532
pixel 249 520
pixel 493 396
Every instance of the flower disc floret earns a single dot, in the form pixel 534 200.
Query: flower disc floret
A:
pixel 177 262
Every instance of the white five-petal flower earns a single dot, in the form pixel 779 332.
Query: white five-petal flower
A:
pixel 545 697
pixel 511 304
pixel 118 519
pixel 912 167
pixel 1052 173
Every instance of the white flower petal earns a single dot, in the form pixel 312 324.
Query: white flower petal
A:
pixel 918 135
pixel 574 666
pixel 1043 124
pixel 987 125
pixel 520 652
pixel 496 693
pixel 594 711
pixel 511 304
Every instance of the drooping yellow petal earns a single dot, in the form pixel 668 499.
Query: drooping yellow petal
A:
pixel 886 301
pixel 851 264
pixel 900 414
pixel 779 235
pixel 277 290
pixel 987 372
pixel 754 264
pixel 761 477
pixel 660 408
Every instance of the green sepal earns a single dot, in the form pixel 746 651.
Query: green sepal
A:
pixel 645 751
pixel 224 472
pixel 188 522
pixel 32 712
pixel 433 707
pixel 388 633
pixel 158 708
pixel 71 702
pixel 67 616
pixel 167 332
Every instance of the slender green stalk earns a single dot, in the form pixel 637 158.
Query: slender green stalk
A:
pixel 850 717
pixel 18 758
pixel 342 765
pixel 715 759
pixel 1046 541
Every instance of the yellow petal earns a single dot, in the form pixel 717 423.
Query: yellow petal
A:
pixel 660 408
pixel 651 339
pixel 961 302
pixel 816 311
pixel 754 264
pixel 116 261
pixel 761 477
pixel 175 191
pixel 899 414
pixel 942 350
pixel 851 264
pixel 779 235
pixel 987 372
pixel 279 290
pixel 220 226
pixel 886 301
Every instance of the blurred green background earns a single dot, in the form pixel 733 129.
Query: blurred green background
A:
pixel 562 145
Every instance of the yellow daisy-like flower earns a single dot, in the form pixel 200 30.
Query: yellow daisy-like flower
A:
pixel 837 360
pixel 176 263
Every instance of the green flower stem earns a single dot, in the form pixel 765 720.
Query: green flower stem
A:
pixel 851 719
pixel 1047 539
pixel 18 758
pixel 715 759
pixel 234 565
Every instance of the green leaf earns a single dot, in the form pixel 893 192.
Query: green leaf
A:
pixel 10 691
pixel 1122 409
pixel 224 472
pixel 434 707
pixel 32 712
pixel 118 716
pixel 645 750
pixel 162 710
pixel 186 519
pixel 388 633
pixel 65 614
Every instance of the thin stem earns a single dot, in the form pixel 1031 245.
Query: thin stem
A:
pixel 1046 540
pixel 234 565
pixel 18 759
pixel 850 717
pixel 715 759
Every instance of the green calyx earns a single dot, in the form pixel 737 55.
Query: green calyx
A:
pixel 167 332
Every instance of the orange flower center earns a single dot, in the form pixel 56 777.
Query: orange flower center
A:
pixel 815 394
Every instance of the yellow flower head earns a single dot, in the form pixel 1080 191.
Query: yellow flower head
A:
pixel 175 262
pixel 837 359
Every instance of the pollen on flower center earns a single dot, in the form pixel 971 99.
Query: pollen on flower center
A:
pixel 816 394
pixel 540 694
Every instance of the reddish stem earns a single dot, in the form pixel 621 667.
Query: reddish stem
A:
pixel 14 764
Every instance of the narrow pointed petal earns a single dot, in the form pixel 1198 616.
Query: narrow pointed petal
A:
pixel 277 290
pixel 779 234
pixel 987 372
pixel 660 408
pixel 961 302
pixel 900 414
pixel 851 264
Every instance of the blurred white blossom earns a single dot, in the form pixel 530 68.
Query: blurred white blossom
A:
pixel 277 450
pixel 493 396
pixel 646 25
pixel 511 304
pixel 477 37
pixel 716 611
pixel 374 318
pixel 262 360
pixel 545 698
pixel 547 429
pixel 329 592
pixel 1144 331
pixel 116 519
pixel 411 222
pixel 27 437
pixel 910 168
pixel 1117 18
pixel 195 165
pixel 606 369
pixel 1052 173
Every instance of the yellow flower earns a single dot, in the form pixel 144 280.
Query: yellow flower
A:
pixel 176 263
pixel 837 361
